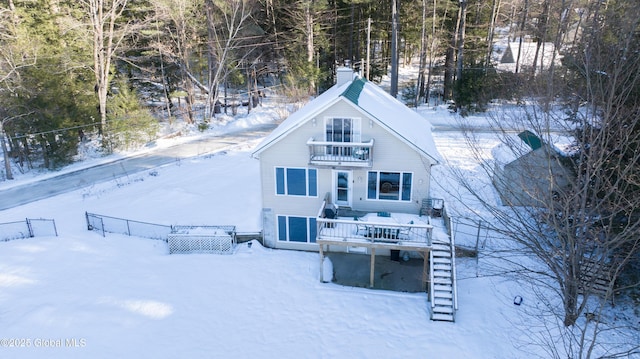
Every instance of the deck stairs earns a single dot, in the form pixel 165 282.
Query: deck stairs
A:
pixel 442 288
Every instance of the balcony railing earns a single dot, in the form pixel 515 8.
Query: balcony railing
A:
pixel 372 229
pixel 351 232
pixel 358 154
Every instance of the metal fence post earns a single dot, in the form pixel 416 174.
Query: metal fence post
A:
pixel 55 229
pixel 86 216
pixel 29 228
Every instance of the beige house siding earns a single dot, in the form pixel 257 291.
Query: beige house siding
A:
pixel 531 179
pixel 398 150
pixel 389 154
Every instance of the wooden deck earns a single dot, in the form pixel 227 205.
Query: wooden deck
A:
pixel 397 231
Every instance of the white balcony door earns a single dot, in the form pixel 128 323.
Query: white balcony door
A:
pixel 343 130
pixel 342 182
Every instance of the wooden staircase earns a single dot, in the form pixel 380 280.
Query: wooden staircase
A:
pixel 442 287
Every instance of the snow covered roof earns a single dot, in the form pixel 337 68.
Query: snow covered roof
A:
pixel 382 108
pixel 514 147
pixel 527 51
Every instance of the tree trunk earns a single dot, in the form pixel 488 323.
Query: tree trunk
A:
pixel 5 154
pixel 523 22
pixel 495 11
pixel 212 65
pixel 431 51
pixel 423 44
pixel 461 34
pixel 394 48
pixel 310 46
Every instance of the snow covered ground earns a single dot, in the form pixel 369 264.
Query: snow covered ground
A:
pixel 81 295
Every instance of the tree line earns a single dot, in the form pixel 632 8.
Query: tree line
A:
pixel 74 68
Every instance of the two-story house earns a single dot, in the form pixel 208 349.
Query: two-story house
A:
pixel 354 146
pixel 352 169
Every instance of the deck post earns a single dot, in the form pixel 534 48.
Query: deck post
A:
pixel 321 264
pixel 425 270
pixel 373 265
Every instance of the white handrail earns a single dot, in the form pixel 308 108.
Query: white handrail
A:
pixel 453 268
pixel 369 143
pixel 433 304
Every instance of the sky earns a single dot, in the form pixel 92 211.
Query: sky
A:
pixel 81 295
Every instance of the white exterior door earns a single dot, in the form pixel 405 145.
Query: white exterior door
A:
pixel 342 188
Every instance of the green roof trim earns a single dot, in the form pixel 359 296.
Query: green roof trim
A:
pixel 352 93
pixel 530 139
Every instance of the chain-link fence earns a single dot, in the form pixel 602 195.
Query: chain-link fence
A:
pixel 470 233
pixel 103 224
pixel 30 227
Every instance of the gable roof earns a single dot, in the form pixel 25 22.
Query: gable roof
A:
pixel 530 139
pixel 406 124
pixel 527 51
pixel 512 147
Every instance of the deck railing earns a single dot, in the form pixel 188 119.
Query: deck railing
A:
pixel 341 153
pixel 349 230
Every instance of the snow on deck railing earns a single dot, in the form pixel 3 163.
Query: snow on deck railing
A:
pixel 355 153
pixel 371 231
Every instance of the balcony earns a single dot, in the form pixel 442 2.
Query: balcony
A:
pixel 350 154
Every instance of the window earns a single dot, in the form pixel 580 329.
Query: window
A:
pixel 342 130
pixel 297 181
pixel 339 130
pixel 297 229
pixel 392 186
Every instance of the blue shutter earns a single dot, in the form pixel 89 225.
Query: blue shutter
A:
pixel 372 185
pixel 282 228
pixel 313 182
pixel 313 229
pixel 279 180
pixel 406 186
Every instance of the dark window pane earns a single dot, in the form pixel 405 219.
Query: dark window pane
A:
pixel 313 182
pixel 297 229
pixel 280 181
pixel 313 229
pixel 346 130
pixel 337 130
pixel 343 186
pixel 329 131
pixel 296 182
pixel 372 185
pixel 389 185
pixel 406 186
pixel 282 228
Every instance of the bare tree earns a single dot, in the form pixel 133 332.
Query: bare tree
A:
pixel 14 56
pixel 226 21
pixel 571 218
pixel 107 37
pixel 180 28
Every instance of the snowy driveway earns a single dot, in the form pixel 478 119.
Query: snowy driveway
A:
pixel 40 189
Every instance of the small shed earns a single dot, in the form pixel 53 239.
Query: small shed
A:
pixel 528 171
pixel 526 54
